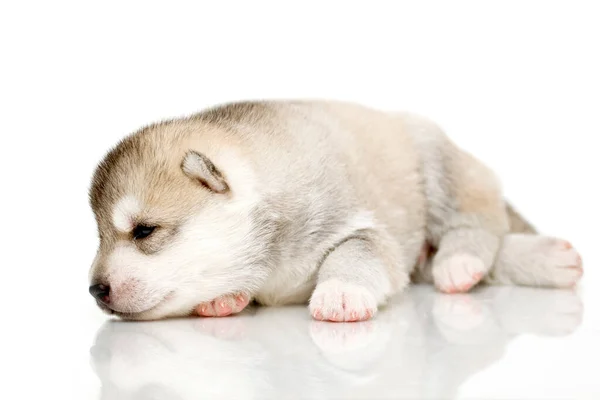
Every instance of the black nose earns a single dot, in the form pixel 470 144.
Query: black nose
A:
pixel 101 293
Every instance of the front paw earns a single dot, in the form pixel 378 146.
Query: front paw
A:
pixel 224 305
pixel 338 301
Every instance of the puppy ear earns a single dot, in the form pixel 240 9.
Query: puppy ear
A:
pixel 199 168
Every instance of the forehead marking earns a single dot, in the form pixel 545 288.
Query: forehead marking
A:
pixel 124 213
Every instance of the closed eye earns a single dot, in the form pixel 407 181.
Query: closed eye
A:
pixel 142 231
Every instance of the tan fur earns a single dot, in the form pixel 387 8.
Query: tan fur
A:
pixel 322 191
pixel 518 224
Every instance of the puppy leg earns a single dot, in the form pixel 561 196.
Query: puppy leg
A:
pixel 535 260
pixel 465 257
pixel 467 225
pixel 466 213
pixel 355 278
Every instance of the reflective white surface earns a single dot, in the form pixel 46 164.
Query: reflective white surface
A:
pixel 514 83
pixel 498 342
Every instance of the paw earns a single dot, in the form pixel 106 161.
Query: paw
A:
pixel 559 261
pixel 224 305
pixel 458 273
pixel 338 301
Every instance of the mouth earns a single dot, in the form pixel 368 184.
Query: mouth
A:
pixel 134 315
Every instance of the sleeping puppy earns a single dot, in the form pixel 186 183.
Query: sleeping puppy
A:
pixel 286 202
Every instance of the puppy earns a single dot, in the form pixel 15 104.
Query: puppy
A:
pixel 285 202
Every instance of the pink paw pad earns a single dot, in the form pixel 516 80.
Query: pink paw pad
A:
pixel 338 301
pixel 458 274
pixel 224 305
pixel 351 316
pixel 566 255
pixel 464 287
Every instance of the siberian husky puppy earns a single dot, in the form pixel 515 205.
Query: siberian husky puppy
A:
pixel 282 202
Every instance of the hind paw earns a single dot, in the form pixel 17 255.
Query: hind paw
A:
pixel 561 261
pixel 540 261
pixel 458 273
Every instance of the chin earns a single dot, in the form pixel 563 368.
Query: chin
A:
pixel 170 307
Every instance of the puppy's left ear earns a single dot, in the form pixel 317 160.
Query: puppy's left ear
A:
pixel 199 168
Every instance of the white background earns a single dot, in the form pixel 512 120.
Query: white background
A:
pixel 516 83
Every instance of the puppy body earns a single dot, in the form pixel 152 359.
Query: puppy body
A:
pixel 291 201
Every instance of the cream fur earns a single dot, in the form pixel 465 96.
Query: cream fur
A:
pixel 291 199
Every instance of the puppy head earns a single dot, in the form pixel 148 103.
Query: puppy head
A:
pixel 177 226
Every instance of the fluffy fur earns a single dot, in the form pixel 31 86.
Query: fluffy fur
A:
pixel 288 202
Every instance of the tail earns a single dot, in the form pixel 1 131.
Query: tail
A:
pixel 518 224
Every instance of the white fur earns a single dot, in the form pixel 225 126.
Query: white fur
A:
pixel 241 178
pixel 537 261
pixel 282 285
pixel 310 186
pixel 342 301
pixel 124 212
pixel 206 259
pixel 363 219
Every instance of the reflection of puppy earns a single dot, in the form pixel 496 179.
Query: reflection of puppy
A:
pixel 469 332
pixel 424 345
pixel 173 360
pixel 286 202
